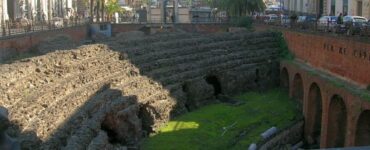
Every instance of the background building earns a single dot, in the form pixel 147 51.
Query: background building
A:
pixel 38 10
pixel 329 7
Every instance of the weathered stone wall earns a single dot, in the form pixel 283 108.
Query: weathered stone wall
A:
pixel 24 42
pixel 289 136
pixel 66 99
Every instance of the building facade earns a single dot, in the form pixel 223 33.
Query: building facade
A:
pixel 329 7
pixel 302 6
pixel 349 7
pixel 37 10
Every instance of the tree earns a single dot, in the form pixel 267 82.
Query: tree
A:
pixel 112 7
pixel 238 7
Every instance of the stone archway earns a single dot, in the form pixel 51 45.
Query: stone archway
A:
pixel 314 115
pixel 298 88
pixel 284 79
pixel 337 122
pixel 363 129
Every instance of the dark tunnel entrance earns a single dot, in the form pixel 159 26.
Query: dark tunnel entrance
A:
pixel 108 126
pixel 213 80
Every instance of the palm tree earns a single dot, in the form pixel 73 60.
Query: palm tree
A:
pixel 112 7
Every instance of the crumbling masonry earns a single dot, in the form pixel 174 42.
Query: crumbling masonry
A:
pixel 96 96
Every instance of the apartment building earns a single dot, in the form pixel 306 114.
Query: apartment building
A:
pixel 329 7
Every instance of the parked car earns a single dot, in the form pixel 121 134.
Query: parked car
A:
pixel 327 23
pixel 57 22
pixel 285 21
pixel 305 22
pixel 366 29
pixel 354 24
pixel 271 19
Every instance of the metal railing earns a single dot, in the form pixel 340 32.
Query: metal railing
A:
pixel 348 29
pixel 24 26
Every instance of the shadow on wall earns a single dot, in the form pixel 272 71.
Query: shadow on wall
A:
pixel 106 119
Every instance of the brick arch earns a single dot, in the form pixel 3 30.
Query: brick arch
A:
pixel 314 115
pixel 284 78
pixel 298 87
pixel 337 122
pixel 363 129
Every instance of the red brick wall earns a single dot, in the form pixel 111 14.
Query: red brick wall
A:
pixel 344 57
pixel 203 28
pixel 117 28
pixel 24 42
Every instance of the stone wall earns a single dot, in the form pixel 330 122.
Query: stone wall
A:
pixel 16 44
pixel 289 136
pixel 116 91
pixel 187 27
pixel 344 57
pixel 24 42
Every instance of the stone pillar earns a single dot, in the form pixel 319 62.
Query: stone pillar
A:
pixel 351 6
pixel 163 9
pixel 149 12
pixel 176 11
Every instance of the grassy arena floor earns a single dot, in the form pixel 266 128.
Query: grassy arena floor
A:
pixel 203 128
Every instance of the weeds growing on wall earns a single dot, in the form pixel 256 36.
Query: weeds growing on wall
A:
pixel 285 54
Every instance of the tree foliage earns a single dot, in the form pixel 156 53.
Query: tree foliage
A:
pixel 238 7
pixel 112 7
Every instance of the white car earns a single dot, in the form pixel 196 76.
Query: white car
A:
pixel 285 20
pixel 327 23
pixel 271 19
pixel 354 24
pixel 57 22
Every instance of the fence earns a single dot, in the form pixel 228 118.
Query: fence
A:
pixel 311 24
pixel 24 26
pixel 169 20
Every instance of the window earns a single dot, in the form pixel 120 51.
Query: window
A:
pixel 332 7
pixel 345 7
pixel 103 27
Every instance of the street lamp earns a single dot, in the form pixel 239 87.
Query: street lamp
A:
pixel 2 18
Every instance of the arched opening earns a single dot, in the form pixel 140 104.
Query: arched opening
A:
pixel 337 122
pixel 213 80
pixel 313 118
pixel 284 79
pixel 257 80
pixel 363 129
pixel 298 88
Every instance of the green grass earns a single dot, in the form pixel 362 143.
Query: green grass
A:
pixel 203 128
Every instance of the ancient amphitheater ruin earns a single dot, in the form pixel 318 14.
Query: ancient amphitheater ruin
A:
pixel 120 90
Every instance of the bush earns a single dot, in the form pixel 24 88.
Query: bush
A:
pixel 245 22
pixel 285 54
